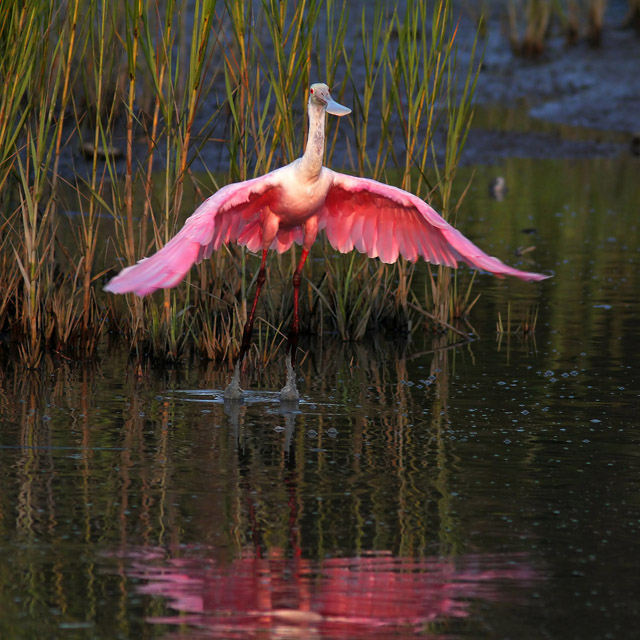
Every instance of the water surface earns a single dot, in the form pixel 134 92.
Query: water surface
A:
pixel 487 490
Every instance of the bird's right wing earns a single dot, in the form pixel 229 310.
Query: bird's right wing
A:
pixel 231 214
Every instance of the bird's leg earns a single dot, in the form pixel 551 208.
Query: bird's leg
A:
pixel 293 333
pixel 248 327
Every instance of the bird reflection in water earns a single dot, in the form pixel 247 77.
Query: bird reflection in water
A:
pixel 372 595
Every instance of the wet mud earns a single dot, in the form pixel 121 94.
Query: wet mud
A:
pixel 571 101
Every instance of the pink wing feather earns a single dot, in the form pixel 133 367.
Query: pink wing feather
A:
pixel 231 214
pixel 385 222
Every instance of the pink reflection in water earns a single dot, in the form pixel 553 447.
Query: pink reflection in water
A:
pixel 372 596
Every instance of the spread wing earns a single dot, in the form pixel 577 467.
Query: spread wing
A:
pixel 232 214
pixel 387 222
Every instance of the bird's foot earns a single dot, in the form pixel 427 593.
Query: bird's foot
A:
pixel 289 393
pixel 233 392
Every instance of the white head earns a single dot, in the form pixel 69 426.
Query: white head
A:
pixel 319 94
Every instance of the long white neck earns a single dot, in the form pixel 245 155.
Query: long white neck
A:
pixel 311 163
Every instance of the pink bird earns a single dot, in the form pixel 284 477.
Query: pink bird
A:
pixel 294 203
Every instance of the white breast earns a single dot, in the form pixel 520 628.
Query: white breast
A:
pixel 299 197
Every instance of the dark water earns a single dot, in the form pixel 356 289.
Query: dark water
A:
pixel 488 490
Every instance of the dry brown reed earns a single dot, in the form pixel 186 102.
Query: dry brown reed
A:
pixel 529 22
pixel 633 15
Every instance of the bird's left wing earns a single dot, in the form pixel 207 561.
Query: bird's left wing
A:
pixel 230 214
pixel 385 222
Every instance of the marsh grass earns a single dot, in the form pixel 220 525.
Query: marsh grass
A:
pixel 595 20
pixel 531 22
pixel 583 18
pixel 139 91
pixel 526 325
pixel 524 329
pixel 633 15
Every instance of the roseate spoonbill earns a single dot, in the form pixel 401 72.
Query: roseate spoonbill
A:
pixel 295 202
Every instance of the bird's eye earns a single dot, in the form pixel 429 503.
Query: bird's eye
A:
pixel 311 90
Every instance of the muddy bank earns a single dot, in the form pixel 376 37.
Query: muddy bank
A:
pixel 572 101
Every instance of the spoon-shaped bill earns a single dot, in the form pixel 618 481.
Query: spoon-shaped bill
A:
pixel 336 109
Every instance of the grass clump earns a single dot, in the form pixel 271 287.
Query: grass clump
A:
pixel 531 23
pixel 526 326
pixel 633 15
